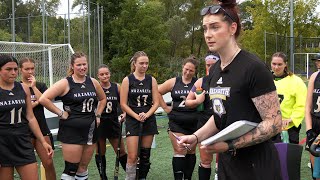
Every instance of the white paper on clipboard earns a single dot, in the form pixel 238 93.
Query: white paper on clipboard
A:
pixel 231 132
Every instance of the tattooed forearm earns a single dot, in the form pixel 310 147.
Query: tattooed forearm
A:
pixel 269 110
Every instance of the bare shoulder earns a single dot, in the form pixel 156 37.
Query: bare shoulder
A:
pixel 154 80
pixel 313 76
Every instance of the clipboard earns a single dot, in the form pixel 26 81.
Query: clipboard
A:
pixel 231 132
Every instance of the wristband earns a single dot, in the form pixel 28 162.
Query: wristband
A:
pixel 61 114
pixel 196 138
pixel 231 148
pixel 98 115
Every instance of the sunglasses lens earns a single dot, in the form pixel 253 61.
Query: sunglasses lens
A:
pixel 204 11
pixel 210 9
pixel 214 9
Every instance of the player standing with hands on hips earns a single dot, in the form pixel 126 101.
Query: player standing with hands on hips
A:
pixel 83 102
pixel 16 120
pixel 241 87
pixel 139 99
pixel 182 120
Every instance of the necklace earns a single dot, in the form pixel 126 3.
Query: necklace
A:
pixel 231 59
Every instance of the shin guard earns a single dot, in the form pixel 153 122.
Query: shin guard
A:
pixel 144 162
pixel 123 161
pixel 70 170
pixel 178 164
pixel 189 166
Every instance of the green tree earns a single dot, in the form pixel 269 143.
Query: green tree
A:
pixel 140 26
pixel 274 16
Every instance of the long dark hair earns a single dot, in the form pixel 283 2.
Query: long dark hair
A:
pixel 4 59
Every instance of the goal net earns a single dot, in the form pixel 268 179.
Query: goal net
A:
pixel 303 65
pixel 51 60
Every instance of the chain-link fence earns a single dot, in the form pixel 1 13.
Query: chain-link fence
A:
pixel 51 60
pixel 84 30
pixel 304 50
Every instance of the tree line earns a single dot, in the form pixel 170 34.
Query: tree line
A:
pixel 167 30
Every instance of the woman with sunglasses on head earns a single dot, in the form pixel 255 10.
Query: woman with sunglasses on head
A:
pixel 241 87
pixel 83 102
pixel 16 120
pixel 27 70
pixel 292 93
pixel 182 120
pixel 110 126
pixel 204 170
pixel 139 99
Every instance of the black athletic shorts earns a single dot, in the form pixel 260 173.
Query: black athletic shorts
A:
pixel 203 118
pixel 133 126
pixel 16 148
pixel 258 162
pixel 315 124
pixel 293 135
pixel 43 127
pixel 183 122
pixel 77 134
pixel 109 128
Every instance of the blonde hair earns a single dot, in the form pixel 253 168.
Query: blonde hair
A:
pixel 134 58
pixel 75 56
pixel 25 59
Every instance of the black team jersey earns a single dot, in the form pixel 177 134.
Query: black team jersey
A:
pixel 80 102
pixel 112 95
pixel 140 93
pixel 206 103
pixel 316 97
pixel 179 94
pixel 13 107
pixel 38 110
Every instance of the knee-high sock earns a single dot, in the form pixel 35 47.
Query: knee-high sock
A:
pixel 189 166
pixel 103 164
pixel 144 162
pixel 204 173
pixel 178 166
pixel 131 172
pixel 123 161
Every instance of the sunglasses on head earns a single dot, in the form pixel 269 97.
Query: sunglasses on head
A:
pixel 214 9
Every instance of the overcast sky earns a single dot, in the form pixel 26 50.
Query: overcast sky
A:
pixel 63 9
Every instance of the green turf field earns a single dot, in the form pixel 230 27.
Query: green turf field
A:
pixel 161 159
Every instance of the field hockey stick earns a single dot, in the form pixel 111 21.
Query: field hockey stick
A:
pixel 103 175
pixel 139 150
pixel 314 148
pixel 116 167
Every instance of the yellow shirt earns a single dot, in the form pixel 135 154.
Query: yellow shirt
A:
pixel 292 93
